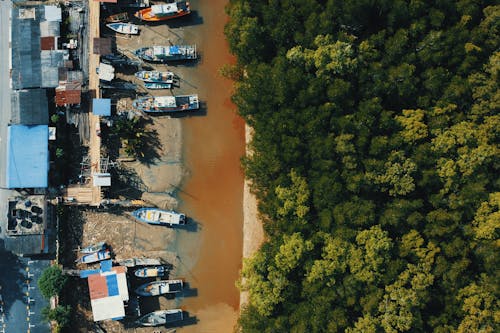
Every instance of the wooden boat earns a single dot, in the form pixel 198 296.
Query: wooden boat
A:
pixel 159 216
pixel 133 262
pixel 167 53
pixel 95 257
pixel 157 288
pixel 93 248
pixel 160 317
pixel 164 11
pixel 157 85
pixel 148 272
pixel 124 28
pixel 155 76
pixel 159 104
pixel 120 17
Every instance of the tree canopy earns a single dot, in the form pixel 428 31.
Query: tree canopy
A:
pixel 375 162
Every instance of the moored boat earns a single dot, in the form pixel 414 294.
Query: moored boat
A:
pixel 159 216
pixel 157 85
pixel 124 28
pixel 148 272
pixel 155 76
pixel 133 262
pixel 162 12
pixel 120 17
pixel 158 104
pixel 160 317
pixel 157 288
pixel 167 53
pixel 95 257
pixel 93 248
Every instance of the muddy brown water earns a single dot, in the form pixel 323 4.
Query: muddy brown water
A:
pixel 213 189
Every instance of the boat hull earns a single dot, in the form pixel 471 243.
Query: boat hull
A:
pixel 164 54
pixel 148 272
pixel 124 28
pixel 150 216
pixel 160 104
pixel 145 15
pixel 157 288
pixel 161 317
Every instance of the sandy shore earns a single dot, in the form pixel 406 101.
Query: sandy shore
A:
pixel 253 233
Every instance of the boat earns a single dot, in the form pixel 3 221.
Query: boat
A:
pixel 155 76
pixel 160 53
pixel 157 288
pixel 167 103
pixel 124 28
pixel 159 216
pixel 95 257
pixel 120 17
pixel 162 12
pixel 133 262
pixel 93 248
pixel 148 272
pixel 160 317
pixel 157 85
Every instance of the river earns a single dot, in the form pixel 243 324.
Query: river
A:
pixel 212 193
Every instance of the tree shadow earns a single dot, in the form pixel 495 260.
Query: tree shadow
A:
pixel 71 223
pixel 126 183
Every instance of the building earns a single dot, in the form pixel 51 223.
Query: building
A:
pixel 108 291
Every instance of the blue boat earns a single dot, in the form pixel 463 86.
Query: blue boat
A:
pixel 159 216
pixel 167 53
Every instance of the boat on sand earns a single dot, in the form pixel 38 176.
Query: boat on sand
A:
pixel 120 17
pixel 148 272
pixel 159 216
pixel 93 248
pixel 160 317
pixel 157 288
pixel 124 28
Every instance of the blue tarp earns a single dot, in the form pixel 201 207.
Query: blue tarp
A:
pixel 112 284
pixel 106 265
pixel 27 156
pixel 174 49
pixel 101 106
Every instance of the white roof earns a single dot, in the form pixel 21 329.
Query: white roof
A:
pixel 107 307
pixel 106 72
pixel 101 179
pixel 53 13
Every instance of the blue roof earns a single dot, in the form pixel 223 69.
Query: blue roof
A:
pixel 27 156
pixel 112 284
pixel 101 106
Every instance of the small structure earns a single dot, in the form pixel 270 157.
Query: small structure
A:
pixel 106 72
pixel 108 291
pixel 102 46
pixel 27 156
pixel 68 93
pixel 101 107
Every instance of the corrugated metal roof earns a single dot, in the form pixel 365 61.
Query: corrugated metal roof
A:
pixel 27 156
pixel 29 107
pixel 98 287
pixel 68 93
pixel 50 62
pixel 102 46
pixel 48 29
pixel 53 13
pixel 48 43
pixel 101 106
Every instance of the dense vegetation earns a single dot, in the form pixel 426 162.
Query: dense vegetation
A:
pixel 375 162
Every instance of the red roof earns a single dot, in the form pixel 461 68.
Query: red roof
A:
pixel 48 43
pixel 97 286
pixel 68 93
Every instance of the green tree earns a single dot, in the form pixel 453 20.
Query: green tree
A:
pixel 52 281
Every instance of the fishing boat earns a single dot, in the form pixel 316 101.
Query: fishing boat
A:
pixel 93 248
pixel 148 272
pixel 164 12
pixel 120 17
pixel 133 262
pixel 167 53
pixel 157 288
pixel 155 76
pixel 167 103
pixel 157 85
pixel 159 216
pixel 95 257
pixel 124 28
pixel 160 317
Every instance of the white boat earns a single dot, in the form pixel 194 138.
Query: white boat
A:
pixel 148 272
pixel 155 76
pixel 159 216
pixel 93 248
pixel 160 317
pixel 160 104
pixel 124 28
pixel 157 288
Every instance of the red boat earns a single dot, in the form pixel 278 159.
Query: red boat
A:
pixel 164 12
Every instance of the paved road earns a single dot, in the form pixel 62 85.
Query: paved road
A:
pixel 22 302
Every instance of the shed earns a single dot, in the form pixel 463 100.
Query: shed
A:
pixel 102 46
pixel 101 106
pixel 27 156
pixel 53 13
pixel 29 107
pixel 48 43
pixel 68 93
